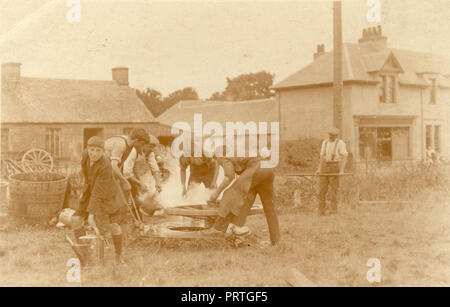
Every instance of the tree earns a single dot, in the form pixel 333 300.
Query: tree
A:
pixel 246 87
pixel 152 100
pixel 188 93
pixel 155 102
pixel 216 96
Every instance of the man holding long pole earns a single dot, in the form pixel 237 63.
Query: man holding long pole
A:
pixel 333 157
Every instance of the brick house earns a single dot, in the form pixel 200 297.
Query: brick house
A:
pixel 396 102
pixel 60 115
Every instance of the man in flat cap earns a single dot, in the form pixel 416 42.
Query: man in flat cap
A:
pixel 102 196
pixel 333 157
pixel 123 152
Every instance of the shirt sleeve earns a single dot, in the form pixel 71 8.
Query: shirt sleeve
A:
pixel 342 150
pixel 228 168
pixel 128 165
pixel 153 164
pixel 114 149
pixel 323 149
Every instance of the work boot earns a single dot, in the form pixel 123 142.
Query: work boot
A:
pixel 238 231
pixel 118 245
pixel 119 259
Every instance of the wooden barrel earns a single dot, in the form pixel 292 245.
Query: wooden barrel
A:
pixel 37 196
pixel 3 196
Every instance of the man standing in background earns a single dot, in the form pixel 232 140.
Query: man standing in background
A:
pixel 333 157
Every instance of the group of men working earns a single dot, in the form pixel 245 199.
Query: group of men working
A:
pixel 253 180
pixel 110 177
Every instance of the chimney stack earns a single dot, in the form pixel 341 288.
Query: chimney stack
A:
pixel 10 72
pixel 120 75
pixel 320 51
pixel 10 75
pixel 372 40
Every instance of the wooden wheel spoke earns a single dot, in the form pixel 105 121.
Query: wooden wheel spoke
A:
pixel 38 160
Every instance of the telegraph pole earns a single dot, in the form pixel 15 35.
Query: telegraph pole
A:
pixel 338 86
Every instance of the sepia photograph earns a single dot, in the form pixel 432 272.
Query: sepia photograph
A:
pixel 208 146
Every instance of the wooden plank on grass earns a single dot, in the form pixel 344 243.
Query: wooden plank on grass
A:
pixel 313 174
pixel 386 202
pixel 295 278
pixel 193 212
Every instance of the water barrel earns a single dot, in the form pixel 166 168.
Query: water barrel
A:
pixel 37 196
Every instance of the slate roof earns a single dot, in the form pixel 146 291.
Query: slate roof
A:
pixel 263 110
pixel 41 100
pixel 359 65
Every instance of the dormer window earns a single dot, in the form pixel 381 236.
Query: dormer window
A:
pixel 388 88
pixel 433 91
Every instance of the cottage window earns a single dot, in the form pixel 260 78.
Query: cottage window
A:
pixel 433 91
pixel 428 136
pixel 437 139
pixel 5 140
pixel 53 142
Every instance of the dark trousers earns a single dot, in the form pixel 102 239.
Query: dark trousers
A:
pixel 262 185
pixel 331 183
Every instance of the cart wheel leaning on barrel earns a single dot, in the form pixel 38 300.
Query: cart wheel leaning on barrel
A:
pixel 38 160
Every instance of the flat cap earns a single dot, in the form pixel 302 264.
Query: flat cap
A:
pixel 140 134
pixel 333 131
pixel 96 141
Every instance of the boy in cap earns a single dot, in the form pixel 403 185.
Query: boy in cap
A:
pixel 102 196
pixel 333 157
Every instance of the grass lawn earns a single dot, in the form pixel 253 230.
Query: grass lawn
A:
pixel 411 241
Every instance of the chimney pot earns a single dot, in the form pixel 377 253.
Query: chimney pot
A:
pixel 372 40
pixel 320 50
pixel 120 75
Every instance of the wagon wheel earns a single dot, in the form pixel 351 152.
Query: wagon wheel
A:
pixel 38 160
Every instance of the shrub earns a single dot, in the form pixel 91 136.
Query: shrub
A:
pixel 417 183
pixel 299 155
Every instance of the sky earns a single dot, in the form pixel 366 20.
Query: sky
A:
pixel 169 45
